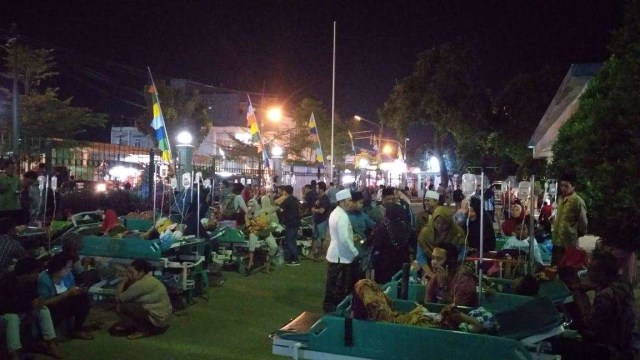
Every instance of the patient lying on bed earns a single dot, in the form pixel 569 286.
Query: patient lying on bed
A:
pixel 371 303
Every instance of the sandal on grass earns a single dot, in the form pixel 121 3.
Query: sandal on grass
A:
pixel 120 329
pixel 81 335
pixel 137 335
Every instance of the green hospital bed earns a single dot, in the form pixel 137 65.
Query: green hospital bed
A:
pixel 525 323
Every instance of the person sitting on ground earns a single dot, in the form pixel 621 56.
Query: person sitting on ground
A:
pixel 143 302
pixel 20 301
pixel 611 321
pixel 441 228
pixel 84 271
pixel 452 284
pixel 10 250
pixel 57 287
pixel 519 241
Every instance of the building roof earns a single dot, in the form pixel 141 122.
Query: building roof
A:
pixel 564 104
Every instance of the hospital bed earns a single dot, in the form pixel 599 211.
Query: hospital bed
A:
pixel 524 327
pixel 184 258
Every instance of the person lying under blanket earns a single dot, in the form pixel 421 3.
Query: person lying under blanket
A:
pixel 372 304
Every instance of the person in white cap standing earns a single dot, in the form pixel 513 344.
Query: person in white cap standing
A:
pixel 341 254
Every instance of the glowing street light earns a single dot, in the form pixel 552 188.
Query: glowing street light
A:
pixel 387 149
pixel 184 138
pixel 274 114
pixel 276 151
pixel 363 163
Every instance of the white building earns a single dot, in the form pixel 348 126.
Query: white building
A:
pixel 130 135
pixel 563 105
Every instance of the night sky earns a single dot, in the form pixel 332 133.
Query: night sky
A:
pixel 285 47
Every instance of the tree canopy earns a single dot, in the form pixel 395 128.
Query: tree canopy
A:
pixel 600 143
pixel 444 95
pixel 300 145
pixel 42 113
pixel 182 109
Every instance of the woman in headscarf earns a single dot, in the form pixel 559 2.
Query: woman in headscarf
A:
pixel 517 216
pixel 441 227
pixel 390 243
pixel 259 221
pixel 473 230
pixel 268 209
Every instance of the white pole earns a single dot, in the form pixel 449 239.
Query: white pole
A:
pixel 532 238
pixel 333 99
pixel 155 191
pixel 198 210
pixel 481 235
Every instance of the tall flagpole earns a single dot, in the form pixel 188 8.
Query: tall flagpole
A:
pixel 333 99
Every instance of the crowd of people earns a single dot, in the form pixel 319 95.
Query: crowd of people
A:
pixel 367 233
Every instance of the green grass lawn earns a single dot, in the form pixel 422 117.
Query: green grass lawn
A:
pixel 233 323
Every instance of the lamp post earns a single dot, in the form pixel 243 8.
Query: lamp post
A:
pixel 379 126
pixel 276 156
pixel 185 155
pixel 363 164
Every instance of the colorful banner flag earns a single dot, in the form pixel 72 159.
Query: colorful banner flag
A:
pixel 158 125
pixel 313 130
pixel 254 131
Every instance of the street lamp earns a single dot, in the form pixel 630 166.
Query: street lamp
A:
pixel 379 126
pixel 363 164
pixel 387 149
pixel 184 138
pixel 274 114
pixel 276 155
pixel 185 154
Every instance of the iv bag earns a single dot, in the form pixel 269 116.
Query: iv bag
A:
pixel 54 183
pixel 468 184
pixel 524 190
pixel 186 180
pixel 41 182
pixel 174 183
pixel 164 171
pixel 207 183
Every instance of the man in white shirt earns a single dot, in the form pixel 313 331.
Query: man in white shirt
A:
pixel 341 254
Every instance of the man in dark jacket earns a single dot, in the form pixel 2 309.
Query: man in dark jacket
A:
pixel 289 214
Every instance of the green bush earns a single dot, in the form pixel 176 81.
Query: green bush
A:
pixel 600 143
